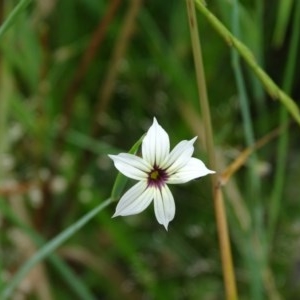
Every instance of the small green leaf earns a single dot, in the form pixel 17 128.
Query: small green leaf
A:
pixel 121 180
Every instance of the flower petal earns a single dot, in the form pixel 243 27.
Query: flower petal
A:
pixel 179 156
pixel 193 169
pixel 156 144
pixel 135 200
pixel 164 205
pixel 131 166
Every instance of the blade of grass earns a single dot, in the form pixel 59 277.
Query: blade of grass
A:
pixel 48 248
pixel 283 143
pixel 62 269
pixel 222 227
pixel 240 82
pixel 284 10
pixel 252 189
pixel 258 91
pixel 13 16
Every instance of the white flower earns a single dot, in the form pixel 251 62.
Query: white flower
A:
pixel 157 168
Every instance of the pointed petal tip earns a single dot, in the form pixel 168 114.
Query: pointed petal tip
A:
pixel 111 156
pixel 115 215
pixel 194 139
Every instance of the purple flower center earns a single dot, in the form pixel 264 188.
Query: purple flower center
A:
pixel 157 177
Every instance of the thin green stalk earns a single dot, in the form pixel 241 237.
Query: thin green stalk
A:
pixel 63 269
pixel 13 15
pixel 258 90
pixel 259 18
pixel 282 149
pixel 253 186
pixel 222 227
pixel 48 248
pixel 240 82
pixel 274 91
pixel 284 11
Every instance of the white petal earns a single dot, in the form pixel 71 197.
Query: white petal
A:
pixel 164 206
pixel 179 156
pixel 135 200
pixel 131 166
pixel 193 169
pixel 156 144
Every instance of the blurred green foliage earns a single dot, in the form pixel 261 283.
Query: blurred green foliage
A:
pixel 82 79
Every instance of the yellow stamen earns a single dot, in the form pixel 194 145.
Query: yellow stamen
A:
pixel 154 175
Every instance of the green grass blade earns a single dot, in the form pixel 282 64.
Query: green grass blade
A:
pixel 283 143
pixel 282 20
pixel 51 246
pixel 253 187
pixel 63 269
pixel 13 15
pixel 240 82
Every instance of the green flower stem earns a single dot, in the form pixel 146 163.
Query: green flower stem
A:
pixel 222 227
pixel 121 179
pixel 61 267
pixel 13 15
pixel 274 91
pixel 48 248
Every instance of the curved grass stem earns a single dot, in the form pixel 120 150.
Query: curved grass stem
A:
pixel 274 91
pixel 49 248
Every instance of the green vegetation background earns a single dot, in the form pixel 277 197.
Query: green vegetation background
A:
pixel 82 79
